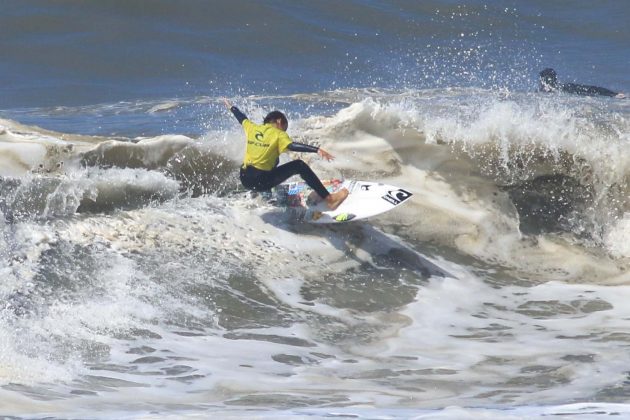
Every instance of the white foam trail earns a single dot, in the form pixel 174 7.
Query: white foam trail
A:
pixel 164 107
pixel 163 318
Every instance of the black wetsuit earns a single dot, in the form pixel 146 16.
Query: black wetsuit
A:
pixel 586 90
pixel 257 179
pixel 549 83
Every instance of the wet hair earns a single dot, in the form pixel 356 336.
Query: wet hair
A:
pixel 549 77
pixel 276 115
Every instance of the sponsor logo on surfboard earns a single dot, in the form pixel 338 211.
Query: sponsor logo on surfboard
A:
pixel 395 197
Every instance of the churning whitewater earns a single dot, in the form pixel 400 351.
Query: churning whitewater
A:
pixel 139 279
pixel 136 264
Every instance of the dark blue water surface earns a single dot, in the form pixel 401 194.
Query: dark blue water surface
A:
pixel 74 53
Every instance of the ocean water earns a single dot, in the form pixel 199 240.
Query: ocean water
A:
pixel 138 281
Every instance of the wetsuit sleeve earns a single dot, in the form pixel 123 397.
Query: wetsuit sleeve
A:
pixel 238 114
pixel 304 148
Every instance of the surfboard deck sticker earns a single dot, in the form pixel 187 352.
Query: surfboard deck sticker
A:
pixel 366 199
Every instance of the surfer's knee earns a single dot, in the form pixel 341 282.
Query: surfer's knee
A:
pixel 301 167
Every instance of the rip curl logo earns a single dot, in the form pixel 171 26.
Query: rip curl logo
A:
pixel 395 197
pixel 259 140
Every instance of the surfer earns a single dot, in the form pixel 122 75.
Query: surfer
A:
pixel 549 83
pixel 260 170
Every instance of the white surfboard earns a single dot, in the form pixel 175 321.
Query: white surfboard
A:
pixel 366 199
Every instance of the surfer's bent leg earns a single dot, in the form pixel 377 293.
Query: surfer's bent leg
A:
pixel 259 180
pixel 255 179
pixel 299 167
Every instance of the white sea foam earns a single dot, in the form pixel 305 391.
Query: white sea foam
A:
pixel 221 303
pixel 455 204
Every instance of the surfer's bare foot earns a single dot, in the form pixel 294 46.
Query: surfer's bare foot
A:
pixel 335 199
pixel 313 198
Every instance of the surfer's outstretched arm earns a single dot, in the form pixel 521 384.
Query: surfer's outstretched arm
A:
pixel 237 112
pixel 306 148
pixel 302 148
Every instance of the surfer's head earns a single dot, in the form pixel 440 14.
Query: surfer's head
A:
pixel 548 80
pixel 277 119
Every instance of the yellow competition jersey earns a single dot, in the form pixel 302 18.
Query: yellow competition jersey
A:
pixel 265 143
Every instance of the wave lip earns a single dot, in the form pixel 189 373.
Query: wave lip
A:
pixel 160 290
pixel 551 164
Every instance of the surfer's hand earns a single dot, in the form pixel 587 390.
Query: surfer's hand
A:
pixel 324 154
pixel 227 103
